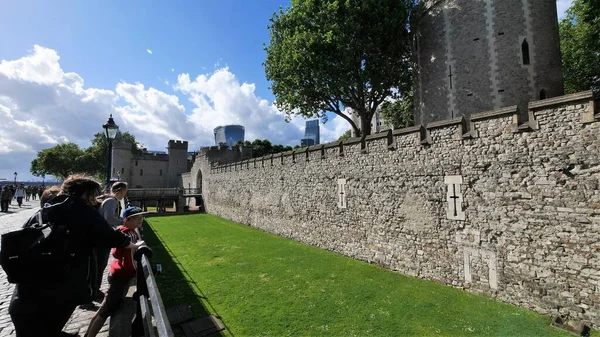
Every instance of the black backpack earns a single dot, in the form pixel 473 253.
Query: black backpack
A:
pixel 39 252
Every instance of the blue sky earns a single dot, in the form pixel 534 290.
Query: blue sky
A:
pixel 106 41
pixel 65 65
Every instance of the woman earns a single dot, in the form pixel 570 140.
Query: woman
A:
pixel 111 211
pixel 42 308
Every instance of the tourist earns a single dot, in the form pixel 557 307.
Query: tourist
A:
pixel 42 308
pixel 111 211
pixel 20 194
pixel 48 194
pixel 122 271
pixel 5 197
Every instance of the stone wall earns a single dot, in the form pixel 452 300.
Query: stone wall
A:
pixel 509 211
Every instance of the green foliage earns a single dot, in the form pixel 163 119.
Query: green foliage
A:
pixel 345 135
pixel 264 147
pixel 399 113
pixel 328 55
pixel 264 285
pixel 580 46
pixel 65 159
pixel 59 161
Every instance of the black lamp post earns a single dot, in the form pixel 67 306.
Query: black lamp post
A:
pixel 15 178
pixel 111 132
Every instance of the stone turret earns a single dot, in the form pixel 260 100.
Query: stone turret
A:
pixel 474 56
pixel 121 160
pixel 178 162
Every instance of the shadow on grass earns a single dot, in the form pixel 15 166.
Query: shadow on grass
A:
pixel 175 284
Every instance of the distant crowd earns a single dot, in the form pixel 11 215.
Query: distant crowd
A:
pixel 19 193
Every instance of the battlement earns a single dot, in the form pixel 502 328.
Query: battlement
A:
pixel 122 145
pixel 460 129
pixel 178 144
pixel 481 203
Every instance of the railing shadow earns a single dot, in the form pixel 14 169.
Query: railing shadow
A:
pixel 175 284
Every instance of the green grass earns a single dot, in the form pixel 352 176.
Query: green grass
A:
pixel 264 285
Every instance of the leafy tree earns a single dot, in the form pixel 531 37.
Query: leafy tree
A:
pixel 399 113
pixel 264 147
pixel 345 135
pixel 60 161
pixel 325 55
pixel 65 159
pixel 580 46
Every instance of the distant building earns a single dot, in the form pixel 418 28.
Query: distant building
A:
pixel 229 134
pixel 150 169
pixel 312 131
pixel 307 142
pixel 377 123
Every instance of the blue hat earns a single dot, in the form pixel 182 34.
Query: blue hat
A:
pixel 133 211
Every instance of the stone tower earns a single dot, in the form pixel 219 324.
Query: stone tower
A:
pixel 121 160
pixel 178 162
pixel 479 55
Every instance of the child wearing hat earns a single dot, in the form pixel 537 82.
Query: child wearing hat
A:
pixel 122 271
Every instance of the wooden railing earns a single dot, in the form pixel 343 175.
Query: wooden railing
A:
pixel 148 193
pixel 150 307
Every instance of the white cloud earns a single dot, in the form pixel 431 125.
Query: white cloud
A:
pixel 41 105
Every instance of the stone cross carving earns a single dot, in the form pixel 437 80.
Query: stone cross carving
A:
pixel 342 196
pixel 454 197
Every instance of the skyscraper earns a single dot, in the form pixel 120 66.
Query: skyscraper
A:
pixel 229 134
pixel 312 131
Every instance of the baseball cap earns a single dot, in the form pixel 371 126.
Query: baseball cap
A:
pixel 133 211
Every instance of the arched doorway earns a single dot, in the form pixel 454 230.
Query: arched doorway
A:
pixel 198 197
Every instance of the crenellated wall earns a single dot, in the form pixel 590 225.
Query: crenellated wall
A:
pixel 509 211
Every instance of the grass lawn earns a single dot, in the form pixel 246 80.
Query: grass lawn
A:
pixel 264 285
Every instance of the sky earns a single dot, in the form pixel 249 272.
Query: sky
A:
pixel 164 69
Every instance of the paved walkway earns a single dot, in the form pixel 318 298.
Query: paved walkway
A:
pixel 81 318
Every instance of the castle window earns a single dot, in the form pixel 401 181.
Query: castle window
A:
pixel 160 173
pixel 543 94
pixel 122 170
pixel 525 52
pixel 114 170
pixel 141 172
pixel 136 163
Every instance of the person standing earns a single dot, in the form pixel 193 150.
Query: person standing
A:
pixel 42 307
pixel 5 199
pixel 111 211
pixel 122 271
pixel 20 194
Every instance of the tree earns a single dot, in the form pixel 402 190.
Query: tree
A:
pixel 59 161
pixel 65 159
pixel 326 55
pixel 399 113
pixel 345 135
pixel 580 46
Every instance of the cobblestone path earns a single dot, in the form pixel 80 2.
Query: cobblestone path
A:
pixel 80 319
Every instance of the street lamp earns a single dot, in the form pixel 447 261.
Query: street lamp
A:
pixel 15 177
pixel 111 132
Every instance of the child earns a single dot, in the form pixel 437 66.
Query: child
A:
pixel 122 271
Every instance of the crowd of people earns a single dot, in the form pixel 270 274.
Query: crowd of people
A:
pixel 97 227
pixel 19 193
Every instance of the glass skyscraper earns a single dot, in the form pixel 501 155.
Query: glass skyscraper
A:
pixel 229 134
pixel 312 131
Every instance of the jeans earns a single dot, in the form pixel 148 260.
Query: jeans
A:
pixel 4 204
pixel 19 201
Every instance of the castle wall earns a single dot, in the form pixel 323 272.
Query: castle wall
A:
pixel 507 212
pixel 178 162
pixel 149 172
pixel 470 56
